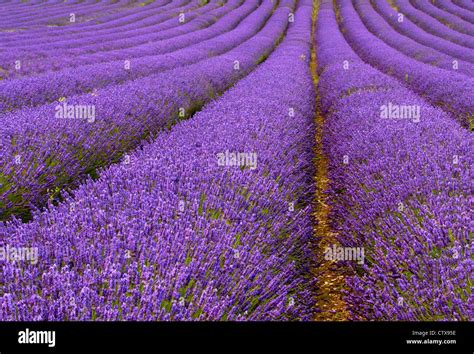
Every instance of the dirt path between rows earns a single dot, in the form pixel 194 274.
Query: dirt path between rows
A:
pixel 330 276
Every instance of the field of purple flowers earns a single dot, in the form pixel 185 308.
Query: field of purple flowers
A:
pixel 235 160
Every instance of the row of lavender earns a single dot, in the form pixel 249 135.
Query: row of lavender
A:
pixel 42 151
pixel 401 189
pixel 189 229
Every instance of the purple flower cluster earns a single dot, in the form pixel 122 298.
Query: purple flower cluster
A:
pixel 400 189
pixel 174 234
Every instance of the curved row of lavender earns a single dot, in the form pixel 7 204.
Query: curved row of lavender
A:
pixel 89 44
pixel 106 23
pixel 121 22
pixel 465 4
pixel 14 10
pixel 444 17
pixel 128 21
pixel 377 26
pixel 147 44
pixel 455 10
pixel 27 12
pixel 177 235
pixel 27 17
pixel 165 26
pixel 134 31
pixel 400 189
pixel 411 30
pixel 181 50
pixel 42 151
pixel 450 90
pixel 57 16
pixel 431 25
pixel 129 49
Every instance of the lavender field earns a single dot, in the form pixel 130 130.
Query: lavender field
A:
pixel 236 160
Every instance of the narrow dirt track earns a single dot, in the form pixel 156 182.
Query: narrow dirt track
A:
pixel 330 275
